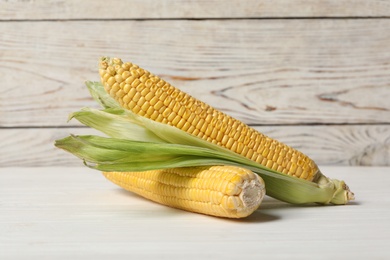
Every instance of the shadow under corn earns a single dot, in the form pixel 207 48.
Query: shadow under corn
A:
pixel 268 211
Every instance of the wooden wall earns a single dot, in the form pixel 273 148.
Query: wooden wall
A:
pixel 313 74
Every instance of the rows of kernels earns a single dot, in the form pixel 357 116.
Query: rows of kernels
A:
pixel 152 185
pixel 226 179
pixel 149 192
pixel 152 97
pixel 160 189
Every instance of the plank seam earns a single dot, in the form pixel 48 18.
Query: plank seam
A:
pixel 251 125
pixel 201 19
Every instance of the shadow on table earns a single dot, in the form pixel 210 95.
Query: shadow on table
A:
pixel 271 208
pixel 265 213
pixel 271 203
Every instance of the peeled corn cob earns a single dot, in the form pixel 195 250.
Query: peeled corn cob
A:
pixel 223 191
pixel 147 95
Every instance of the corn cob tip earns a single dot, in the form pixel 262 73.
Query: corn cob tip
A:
pixel 252 194
pixel 103 63
pixel 106 61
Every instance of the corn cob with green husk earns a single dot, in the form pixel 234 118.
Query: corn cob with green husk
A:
pixel 150 96
pixel 223 191
pixel 156 126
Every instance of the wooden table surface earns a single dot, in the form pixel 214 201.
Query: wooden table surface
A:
pixel 75 213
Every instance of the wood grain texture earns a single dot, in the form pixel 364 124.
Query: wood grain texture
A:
pixel 74 213
pixel 366 145
pixel 35 146
pixel 151 9
pixel 260 71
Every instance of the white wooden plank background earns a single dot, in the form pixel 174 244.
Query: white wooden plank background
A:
pixel 322 85
pixel 261 71
pixel 151 9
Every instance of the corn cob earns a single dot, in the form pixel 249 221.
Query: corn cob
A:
pixel 223 191
pixel 148 95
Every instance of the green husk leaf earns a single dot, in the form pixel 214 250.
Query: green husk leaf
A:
pixel 104 150
pixel 111 154
pixel 114 122
pixel 100 95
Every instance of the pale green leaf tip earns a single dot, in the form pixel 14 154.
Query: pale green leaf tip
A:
pixel 71 116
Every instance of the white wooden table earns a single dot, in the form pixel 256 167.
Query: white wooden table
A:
pixel 74 213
